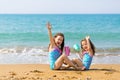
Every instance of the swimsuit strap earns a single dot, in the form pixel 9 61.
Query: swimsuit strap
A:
pixel 58 50
pixel 85 52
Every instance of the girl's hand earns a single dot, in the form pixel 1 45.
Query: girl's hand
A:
pixel 87 37
pixel 48 25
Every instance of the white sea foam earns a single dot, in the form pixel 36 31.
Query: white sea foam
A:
pixel 33 55
pixel 23 55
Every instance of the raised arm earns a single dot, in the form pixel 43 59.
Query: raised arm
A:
pixel 50 34
pixel 89 45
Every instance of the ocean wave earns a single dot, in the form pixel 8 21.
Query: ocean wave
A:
pixel 40 55
pixel 42 51
pixel 108 50
pixel 103 50
pixel 24 55
pixel 29 50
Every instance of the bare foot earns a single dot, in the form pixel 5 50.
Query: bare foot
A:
pixel 65 67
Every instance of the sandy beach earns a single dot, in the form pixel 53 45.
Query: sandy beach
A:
pixel 42 72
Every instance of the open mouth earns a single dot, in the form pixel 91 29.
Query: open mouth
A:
pixel 58 43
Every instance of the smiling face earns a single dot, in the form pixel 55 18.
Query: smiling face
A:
pixel 58 40
pixel 84 45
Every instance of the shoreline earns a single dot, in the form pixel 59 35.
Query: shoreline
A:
pixel 43 72
pixel 36 56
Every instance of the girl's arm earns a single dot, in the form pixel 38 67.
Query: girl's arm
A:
pixel 79 55
pixel 50 34
pixel 89 46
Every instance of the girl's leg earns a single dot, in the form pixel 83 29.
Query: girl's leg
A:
pixel 61 60
pixel 79 63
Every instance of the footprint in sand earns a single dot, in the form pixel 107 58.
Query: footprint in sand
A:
pixel 36 71
pixel 12 73
pixel 108 72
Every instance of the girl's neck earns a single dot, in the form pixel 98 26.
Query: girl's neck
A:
pixel 85 50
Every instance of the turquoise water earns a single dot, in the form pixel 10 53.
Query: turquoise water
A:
pixel 27 33
pixel 29 30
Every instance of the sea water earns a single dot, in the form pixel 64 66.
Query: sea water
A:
pixel 24 37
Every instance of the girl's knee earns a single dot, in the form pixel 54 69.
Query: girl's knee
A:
pixel 74 59
pixel 64 55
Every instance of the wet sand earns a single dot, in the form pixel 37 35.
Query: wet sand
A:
pixel 43 72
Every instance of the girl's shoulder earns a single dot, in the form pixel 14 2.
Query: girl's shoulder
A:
pixel 84 52
pixel 51 47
